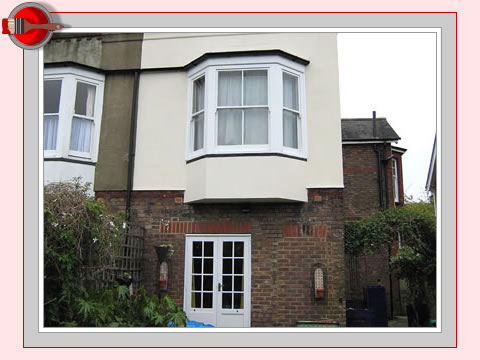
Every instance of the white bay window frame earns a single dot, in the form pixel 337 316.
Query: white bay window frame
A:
pixel 275 66
pixel 70 77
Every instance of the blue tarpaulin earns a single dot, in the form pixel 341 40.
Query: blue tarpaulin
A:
pixel 192 323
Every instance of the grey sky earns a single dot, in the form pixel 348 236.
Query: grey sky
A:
pixel 395 75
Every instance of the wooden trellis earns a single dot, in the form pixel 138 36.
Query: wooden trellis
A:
pixel 129 260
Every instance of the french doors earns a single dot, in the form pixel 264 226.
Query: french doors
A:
pixel 217 279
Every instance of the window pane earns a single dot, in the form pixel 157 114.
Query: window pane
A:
pixel 229 88
pixel 238 267
pixel 196 300
pixel 81 134
pixel 85 99
pixel 229 127
pixel 207 300
pixel 198 131
pixel 208 249
pixel 227 283
pixel 197 248
pixel 239 249
pixel 51 96
pixel 290 91
pixel 227 248
pixel 227 301
pixel 238 301
pixel 50 124
pixel 198 95
pixel 208 266
pixel 197 282
pixel 238 283
pixel 255 87
pixel 197 266
pixel 227 266
pixel 290 136
pixel 208 283
pixel 256 126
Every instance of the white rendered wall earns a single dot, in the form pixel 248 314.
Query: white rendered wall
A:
pixel 160 153
pixel 57 171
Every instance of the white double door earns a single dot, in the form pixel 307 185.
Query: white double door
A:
pixel 217 279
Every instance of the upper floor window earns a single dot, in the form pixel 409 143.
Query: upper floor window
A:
pixel 72 113
pixel 396 195
pixel 247 105
pixel 242 107
pixel 51 109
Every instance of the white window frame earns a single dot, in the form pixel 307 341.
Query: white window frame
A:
pixel 70 76
pixel 53 152
pixel 275 66
pixel 395 183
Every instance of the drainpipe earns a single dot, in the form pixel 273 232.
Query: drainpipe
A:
pixel 379 162
pixel 385 174
pixel 382 191
pixel 132 143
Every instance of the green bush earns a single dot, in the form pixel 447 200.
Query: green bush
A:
pixel 116 308
pixel 81 239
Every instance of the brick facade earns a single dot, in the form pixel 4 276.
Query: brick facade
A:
pixel 288 241
pixel 362 198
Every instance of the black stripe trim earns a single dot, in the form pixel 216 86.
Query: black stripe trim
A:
pixel 245 155
pixel 74 161
pixel 189 65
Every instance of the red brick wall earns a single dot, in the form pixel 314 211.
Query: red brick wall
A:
pixel 288 240
pixel 361 198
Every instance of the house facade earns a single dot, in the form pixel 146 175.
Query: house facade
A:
pixel 227 149
pixel 373 176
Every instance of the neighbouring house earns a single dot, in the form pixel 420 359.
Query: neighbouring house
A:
pixel 373 177
pixel 75 69
pixel 227 148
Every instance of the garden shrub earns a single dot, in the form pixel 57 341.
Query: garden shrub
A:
pixel 81 240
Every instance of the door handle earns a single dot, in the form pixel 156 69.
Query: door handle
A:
pixel 220 287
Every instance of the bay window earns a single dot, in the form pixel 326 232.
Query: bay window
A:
pixel 246 105
pixel 72 113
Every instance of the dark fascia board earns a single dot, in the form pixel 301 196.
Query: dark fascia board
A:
pixel 276 52
pixel 189 65
pixel 377 139
pixel 73 64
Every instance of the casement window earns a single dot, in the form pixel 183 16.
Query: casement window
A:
pixel 396 195
pixel 72 113
pixel 51 107
pixel 247 105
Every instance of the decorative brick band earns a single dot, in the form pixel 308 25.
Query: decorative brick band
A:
pixel 192 227
pixel 305 230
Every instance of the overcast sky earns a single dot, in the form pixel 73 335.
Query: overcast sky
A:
pixel 395 75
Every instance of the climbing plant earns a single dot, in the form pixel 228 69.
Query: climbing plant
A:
pixel 413 228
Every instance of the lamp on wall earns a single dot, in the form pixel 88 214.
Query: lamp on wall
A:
pixel 319 283
pixel 162 255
